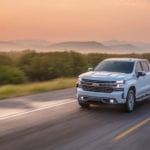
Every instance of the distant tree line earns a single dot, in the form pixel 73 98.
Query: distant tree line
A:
pixel 30 66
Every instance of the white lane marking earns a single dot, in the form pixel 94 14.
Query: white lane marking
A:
pixel 38 109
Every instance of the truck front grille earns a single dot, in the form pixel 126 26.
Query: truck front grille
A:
pixel 99 86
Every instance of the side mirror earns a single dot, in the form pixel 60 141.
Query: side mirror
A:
pixel 90 69
pixel 140 74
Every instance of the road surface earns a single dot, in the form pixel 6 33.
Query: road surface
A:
pixel 54 121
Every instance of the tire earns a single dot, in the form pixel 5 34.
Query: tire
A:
pixel 83 104
pixel 130 101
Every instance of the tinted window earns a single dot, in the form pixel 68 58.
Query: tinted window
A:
pixel 115 66
pixel 145 66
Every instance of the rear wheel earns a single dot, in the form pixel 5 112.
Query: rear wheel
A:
pixel 130 101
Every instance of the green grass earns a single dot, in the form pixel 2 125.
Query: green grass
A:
pixel 8 91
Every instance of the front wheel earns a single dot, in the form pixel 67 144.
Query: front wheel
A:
pixel 83 104
pixel 130 101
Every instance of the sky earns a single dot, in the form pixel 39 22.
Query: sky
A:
pixel 74 20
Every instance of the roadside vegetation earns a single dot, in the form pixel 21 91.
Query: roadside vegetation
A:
pixel 28 71
pixel 7 91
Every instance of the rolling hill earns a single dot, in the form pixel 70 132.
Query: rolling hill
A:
pixel 79 46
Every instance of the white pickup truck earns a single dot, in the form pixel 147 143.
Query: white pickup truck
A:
pixel 115 81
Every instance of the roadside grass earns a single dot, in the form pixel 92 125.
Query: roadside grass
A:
pixel 8 91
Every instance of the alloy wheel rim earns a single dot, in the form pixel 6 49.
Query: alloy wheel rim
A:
pixel 131 101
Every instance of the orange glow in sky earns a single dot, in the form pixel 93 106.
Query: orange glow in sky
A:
pixel 60 20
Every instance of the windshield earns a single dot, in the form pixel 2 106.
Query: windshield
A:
pixel 115 66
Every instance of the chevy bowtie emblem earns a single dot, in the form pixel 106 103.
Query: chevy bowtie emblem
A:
pixel 95 84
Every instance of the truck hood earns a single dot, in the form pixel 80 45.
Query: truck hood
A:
pixel 107 76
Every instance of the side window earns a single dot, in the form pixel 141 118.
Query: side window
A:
pixel 145 66
pixel 138 67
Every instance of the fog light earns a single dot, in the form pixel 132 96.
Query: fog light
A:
pixel 82 98
pixel 111 101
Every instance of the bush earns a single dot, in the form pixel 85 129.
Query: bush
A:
pixel 5 60
pixel 45 66
pixel 11 75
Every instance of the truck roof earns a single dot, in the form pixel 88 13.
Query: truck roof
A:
pixel 125 59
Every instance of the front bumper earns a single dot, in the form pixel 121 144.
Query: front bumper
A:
pixel 116 97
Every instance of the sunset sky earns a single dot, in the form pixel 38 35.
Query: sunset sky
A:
pixel 61 20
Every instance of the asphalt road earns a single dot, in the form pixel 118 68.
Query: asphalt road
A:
pixel 66 126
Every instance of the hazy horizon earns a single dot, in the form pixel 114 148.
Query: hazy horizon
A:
pixel 75 20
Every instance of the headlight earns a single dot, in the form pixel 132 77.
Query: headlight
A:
pixel 79 79
pixel 120 82
pixel 79 82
